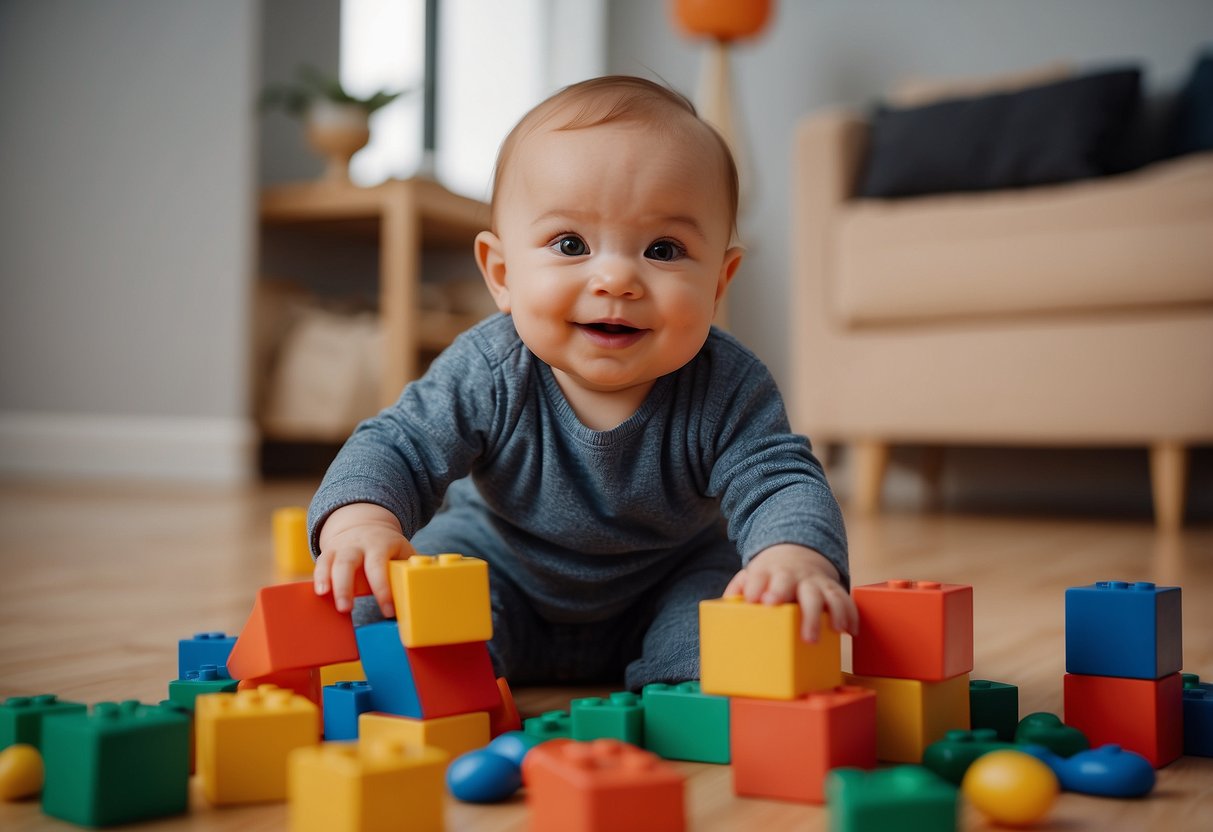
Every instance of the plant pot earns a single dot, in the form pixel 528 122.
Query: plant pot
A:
pixel 337 131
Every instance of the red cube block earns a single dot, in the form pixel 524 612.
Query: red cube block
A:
pixel 785 749
pixel 913 630
pixel 1142 715
pixel 454 678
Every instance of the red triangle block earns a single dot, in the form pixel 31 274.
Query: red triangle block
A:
pixel 454 679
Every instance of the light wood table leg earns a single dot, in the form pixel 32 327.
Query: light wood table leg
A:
pixel 399 279
pixel 1168 480
pixel 870 461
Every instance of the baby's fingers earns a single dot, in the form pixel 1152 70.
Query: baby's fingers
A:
pixel 736 586
pixel 843 612
pixel 321 582
pixel 809 596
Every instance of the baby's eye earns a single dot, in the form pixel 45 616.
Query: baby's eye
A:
pixel 571 245
pixel 665 251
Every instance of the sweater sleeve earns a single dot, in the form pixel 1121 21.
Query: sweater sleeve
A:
pixel 771 487
pixel 405 458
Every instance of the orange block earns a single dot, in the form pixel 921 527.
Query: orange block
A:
pixel 505 716
pixel 601 786
pixel 292 627
pixel 785 749
pixel 1142 715
pixel 913 630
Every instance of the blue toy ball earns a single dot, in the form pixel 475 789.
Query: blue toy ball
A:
pixel 482 776
pixel 513 745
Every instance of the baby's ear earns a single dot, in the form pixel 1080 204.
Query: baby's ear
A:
pixel 490 256
pixel 728 268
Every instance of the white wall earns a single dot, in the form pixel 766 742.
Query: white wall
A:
pixel 126 188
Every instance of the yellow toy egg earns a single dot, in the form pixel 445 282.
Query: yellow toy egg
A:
pixel 20 772
pixel 1010 787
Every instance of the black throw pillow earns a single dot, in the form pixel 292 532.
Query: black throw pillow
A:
pixel 1194 117
pixel 1058 132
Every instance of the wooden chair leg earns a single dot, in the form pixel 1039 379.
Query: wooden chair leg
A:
pixel 871 460
pixel 1169 482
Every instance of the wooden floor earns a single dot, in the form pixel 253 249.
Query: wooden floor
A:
pixel 99 581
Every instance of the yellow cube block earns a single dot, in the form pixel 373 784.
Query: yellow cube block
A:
pixel 756 650
pixel 331 674
pixel 453 734
pixel 912 714
pixel 441 600
pixel 378 786
pixel 292 549
pixel 243 740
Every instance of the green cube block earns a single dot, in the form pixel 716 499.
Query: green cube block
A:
pixel 550 725
pixel 119 764
pixel 905 798
pixel 21 717
pixel 619 717
pixel 994 705
pixel 683 723
pixel 207 679
pixel 951 756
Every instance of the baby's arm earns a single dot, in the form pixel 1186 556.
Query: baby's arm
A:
pixel 789 572
pixel 359 535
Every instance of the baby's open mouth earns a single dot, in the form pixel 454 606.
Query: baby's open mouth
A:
pixel 612 329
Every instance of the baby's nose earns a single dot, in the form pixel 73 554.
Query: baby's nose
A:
pixel 617 277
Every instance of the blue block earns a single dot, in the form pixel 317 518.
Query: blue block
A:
pixel 1130 630
pixel 203 648
pixel 1198 717
pixel 343 702
pixel 386 665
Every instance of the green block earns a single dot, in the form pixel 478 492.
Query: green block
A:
pixel 21 717
pixel 549 726
pixel 683 723
pixel 207 679
pixel 1047 730
pixel 121 763
pixel 619 717
pixel 905 798
pixel 994 705
pixel 951 756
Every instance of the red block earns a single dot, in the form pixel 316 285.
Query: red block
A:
pixel 785 749
pixel 913 630
pixel 505 716
pixel 1142 715
pixel 601 786
pixel 292 627
pixel 454 679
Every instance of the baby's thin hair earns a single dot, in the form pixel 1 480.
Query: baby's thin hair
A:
pixel 613 98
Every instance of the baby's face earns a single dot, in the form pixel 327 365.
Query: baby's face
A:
pixel 614 244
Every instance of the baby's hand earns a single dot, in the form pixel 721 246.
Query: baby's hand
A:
pixel 788 572
pixel 360 535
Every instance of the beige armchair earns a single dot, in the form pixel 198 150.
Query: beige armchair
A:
pixel 1078 314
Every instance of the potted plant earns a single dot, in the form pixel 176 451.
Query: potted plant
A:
pixel 336 123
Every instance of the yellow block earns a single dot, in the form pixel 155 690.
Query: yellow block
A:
pixel 453 734
pixel 911 714
pixel 292 549
pixel 756 650
pixel 441 600
pixel 378 786
pixel 331 674
pixel 243 740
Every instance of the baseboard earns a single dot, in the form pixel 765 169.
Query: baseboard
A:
pixel 158 448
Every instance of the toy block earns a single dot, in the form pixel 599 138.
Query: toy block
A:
pixel 21 772
pixel 550 725
pixel 453 734
pixel 756 650
pixel 620 717
pixel 1198 716
pixel 244 739
pixel 905 798
pixel 681 722
pixel 785 749
pixel 1047 731
pixel 378 786
pixel 292 549
pixel 331 674
pixel 426 682
pixel 21 717
pixel 1142 715
pixel 305 682
pixel 601 786
pixel 204 648
pixel 913 630
pixel 951 756
pixel 441 600
pixel 504 717
pixel 994 705
pixel 121 763
pixel 206 679
pixel 188 713
pixel 911 714
pixel 344 702
pixel 1115 628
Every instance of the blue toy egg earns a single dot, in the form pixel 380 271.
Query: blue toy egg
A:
pixel 481 776
pixel 1108 771
pixel 513 745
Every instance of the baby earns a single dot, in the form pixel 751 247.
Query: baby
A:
pixel 626 459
